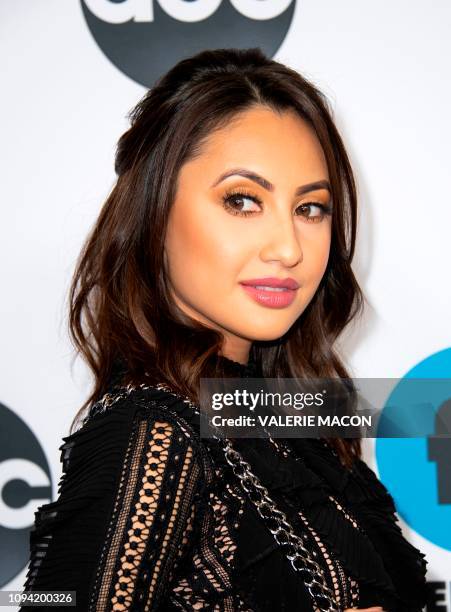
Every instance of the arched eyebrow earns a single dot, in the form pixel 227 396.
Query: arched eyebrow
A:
pixel 260 180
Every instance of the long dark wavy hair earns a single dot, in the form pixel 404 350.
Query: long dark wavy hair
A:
pixel 121 311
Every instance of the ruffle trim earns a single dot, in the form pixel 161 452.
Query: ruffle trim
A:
pixel 73 525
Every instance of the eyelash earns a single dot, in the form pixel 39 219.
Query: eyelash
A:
pixel 243 193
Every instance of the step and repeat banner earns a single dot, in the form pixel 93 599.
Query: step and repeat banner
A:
pixel 72 69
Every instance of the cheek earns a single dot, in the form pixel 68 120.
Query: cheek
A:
pixel 315 256
pixel 204 256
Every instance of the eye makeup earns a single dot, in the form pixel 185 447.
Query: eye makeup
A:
pixel 233 197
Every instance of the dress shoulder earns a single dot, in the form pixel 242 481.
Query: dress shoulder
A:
pixel 123 518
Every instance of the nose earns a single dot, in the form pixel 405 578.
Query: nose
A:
pixel 281 242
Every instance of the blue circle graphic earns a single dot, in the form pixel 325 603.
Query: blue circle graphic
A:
pixel 417 470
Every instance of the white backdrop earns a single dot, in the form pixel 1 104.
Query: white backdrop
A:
pixel 384 65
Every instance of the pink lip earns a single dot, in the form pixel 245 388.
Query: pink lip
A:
pixel 273 299
pixel 271 281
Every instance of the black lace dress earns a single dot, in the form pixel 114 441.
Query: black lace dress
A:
pixel 151 517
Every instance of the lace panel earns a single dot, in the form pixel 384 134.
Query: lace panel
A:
pixel 151 518
pixel 207 584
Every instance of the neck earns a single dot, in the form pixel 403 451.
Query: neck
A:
pixel 237 349
pixel 241 360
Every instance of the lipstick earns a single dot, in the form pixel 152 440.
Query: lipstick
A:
pixel 270 291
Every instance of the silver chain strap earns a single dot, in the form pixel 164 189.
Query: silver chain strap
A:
pixel 276 521
pixel 299 556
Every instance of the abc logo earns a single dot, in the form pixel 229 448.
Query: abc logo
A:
pixel 25 484
pixel 145 38
pixel 417 469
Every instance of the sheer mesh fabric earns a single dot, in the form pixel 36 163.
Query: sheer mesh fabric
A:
pixel 207 583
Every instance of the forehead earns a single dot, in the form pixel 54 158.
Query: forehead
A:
pixel 268 142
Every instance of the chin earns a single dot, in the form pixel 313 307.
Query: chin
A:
pixel 256 331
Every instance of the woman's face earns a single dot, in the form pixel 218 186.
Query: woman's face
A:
pixel 244 210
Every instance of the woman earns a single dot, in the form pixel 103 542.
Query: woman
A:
pixel 231 179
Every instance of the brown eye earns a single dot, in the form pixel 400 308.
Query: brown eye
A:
pixel 236 202
pixel 313 212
